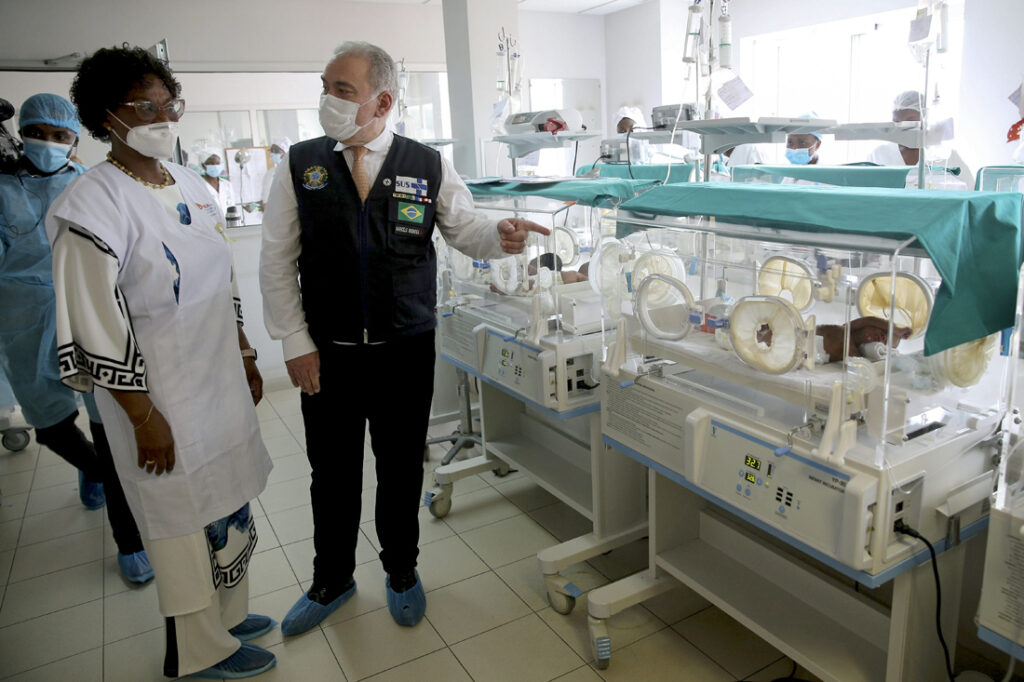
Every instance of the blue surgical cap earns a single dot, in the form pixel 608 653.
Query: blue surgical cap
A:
pixel 812 115
pixel 51 109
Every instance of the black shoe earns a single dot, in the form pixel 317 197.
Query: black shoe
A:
pixel 402 581
pixel 325 595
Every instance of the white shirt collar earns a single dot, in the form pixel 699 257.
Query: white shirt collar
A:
pixel 378 144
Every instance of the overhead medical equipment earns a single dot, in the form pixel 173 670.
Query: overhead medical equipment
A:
pixel 785 461
pixel 725 37
pixel 666 115
pixel 537 121
pixel 532 130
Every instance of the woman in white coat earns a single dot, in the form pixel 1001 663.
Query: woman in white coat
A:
pixel 147 319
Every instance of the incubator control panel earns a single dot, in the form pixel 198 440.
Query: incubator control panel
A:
pixel 516 365
pixel 800 496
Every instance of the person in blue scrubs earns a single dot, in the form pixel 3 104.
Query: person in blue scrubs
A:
pixel 49 128
pixel 802 148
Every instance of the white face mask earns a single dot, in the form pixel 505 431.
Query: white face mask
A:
pixel 338 117
pixel 155 140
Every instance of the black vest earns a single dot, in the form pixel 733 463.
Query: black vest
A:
pixel 367 272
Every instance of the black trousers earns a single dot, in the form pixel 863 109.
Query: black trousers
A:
pixel 97 463
pixel 390 386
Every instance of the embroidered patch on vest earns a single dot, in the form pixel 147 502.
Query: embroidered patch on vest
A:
pixel 408 229
pixel 411 212
pixel 314 177
pixel 415 186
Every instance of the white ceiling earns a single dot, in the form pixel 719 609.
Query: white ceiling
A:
pixel 562 6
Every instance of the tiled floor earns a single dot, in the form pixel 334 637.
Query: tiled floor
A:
pixel 66 614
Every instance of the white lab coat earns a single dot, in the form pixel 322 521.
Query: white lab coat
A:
pixel 887 154
pixel 224 194
pixel 145 301
pixel 743 155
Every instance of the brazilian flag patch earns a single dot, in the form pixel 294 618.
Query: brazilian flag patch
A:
pixel 412 213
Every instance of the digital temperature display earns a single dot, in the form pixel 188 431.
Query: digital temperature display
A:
pixel 753 463
pixel 751 478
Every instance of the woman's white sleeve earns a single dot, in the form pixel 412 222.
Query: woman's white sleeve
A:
pixel 96 344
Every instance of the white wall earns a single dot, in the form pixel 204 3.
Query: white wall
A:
pixel 992 68
pixel 752 17
pixel 226 35
pixel 633 49
pixel 564 46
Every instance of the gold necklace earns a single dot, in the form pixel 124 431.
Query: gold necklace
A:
pixel 121 167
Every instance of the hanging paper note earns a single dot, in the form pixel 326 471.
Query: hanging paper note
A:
pixel 734 93
pixel 920 27
pixel 1015 98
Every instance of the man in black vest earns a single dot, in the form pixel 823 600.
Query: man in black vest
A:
pixel 348 274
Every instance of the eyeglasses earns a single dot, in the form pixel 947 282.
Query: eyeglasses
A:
pixel 147 111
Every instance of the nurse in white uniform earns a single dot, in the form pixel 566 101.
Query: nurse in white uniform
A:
pixel 146 318
pixel 216 179
pixel 906 107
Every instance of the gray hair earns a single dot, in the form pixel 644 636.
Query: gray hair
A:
pixel 383 74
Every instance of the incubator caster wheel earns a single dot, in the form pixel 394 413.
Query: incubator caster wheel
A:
pixel 439 500
pixel 561 603
pixel 600 642
pixel 15 440
pixel 562 594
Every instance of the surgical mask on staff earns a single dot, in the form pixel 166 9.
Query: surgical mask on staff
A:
pixel 214 170
pixel 276 158
pixel 47 156
pixel 155 140
pixel 338 116
pixel 800 157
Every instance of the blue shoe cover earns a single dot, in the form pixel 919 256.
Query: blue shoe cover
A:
pixel 253 626
pixel 91 493
pixel 135 567
pixel 407 608
pixel 249 660
pixel 306 614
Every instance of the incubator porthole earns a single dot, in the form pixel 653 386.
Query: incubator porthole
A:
pixel 766 332
pixel 667 316
pixel 912 303
pixel 607 276
pixel 567 247
pixel 788 279
pixel 964 365
pixel 507 276
pixel 659 262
